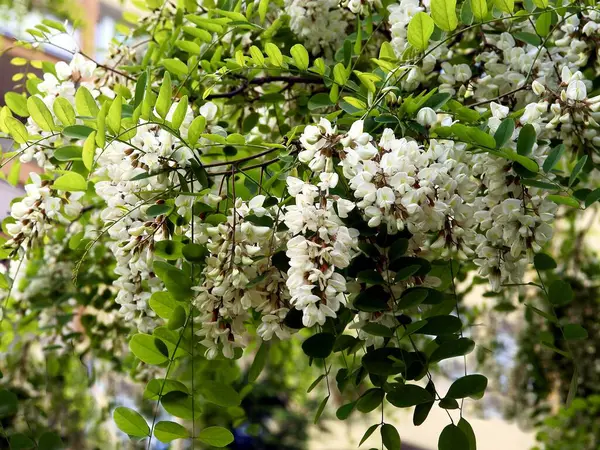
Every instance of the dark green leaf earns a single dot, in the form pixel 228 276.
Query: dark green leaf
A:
pixel 390 437
pixel 368 433
pixel 452 349
pixel 504 132
pixel 260 360
pixel 526 140
pixel 577 170
pixel 8 403
pixel 560 293
pixel 372 299
pixel 319 345
pixel 543 261
pixel 439 325
pixel 408 395
pixel 221 394
pixel 344 411
pixel 466 428
pixel 553 157
pixel 412 297
pixel 320 409
pixel 453 438
pixel 468 386
pixel 370 400
pixel 573 331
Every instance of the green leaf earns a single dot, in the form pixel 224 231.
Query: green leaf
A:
pixel 85 103
pixel 113 118
pixel 412 297
pixel 189 47
pixel 526 162
pixel 543 24
pixel 317 101
pixel 319 345
pixel 577 169
pixel 300 55
pixel 8 403
pixel 564 200
pixel 15 172
pixel 263 7
pixel 216 436
pixel 163 102
pixel 274 54
pixel 144 347
pixel 452 349
pixel 468 386
pixel 340 74
pixel 543 261
pixel 453 438
pixel 64 111
pixel 178 318
pixel 506 6
pixel 17 103
pixel 159 387
pixel 526 140
pixel 573 332
pixel 344 411
pixel 466 428
pixel 408 395
pixel 77 131
pixel 320 409
pixel 89 151
pixel 390 437
pixel 163 304
pixel 370 400
pixel 528 38
pixel 70 181
pixel 197 127
pixel 180 404
pixel 541 3
pixel 68 153
pixel 504 132
pixel 221 394
pixel 50 441
pixel 167 431
pixel 177 282
pixel 479 8
pixel 131 422
pixel 560 293
pixel 179 113
pixel 175 66
pixel 195 253
pixel 420 29
pixel 443 13
pixel 368 433
pixel 259 362
pixel 17 130
pixel 40 113
pixel 592 197
pixel 440 325
pixel 19 441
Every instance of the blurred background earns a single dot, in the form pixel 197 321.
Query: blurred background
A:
pixel 522 407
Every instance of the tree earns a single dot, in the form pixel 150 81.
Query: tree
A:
pixel 243 172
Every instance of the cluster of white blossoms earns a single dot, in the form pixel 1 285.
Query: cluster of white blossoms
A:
pixel 319 24
pixel 39 210
pixel 239 278
pixel 450 200
pixel 321 244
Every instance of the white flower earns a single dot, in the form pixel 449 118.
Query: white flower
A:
pixel 426 117
pixel 209 111
pixel 576 90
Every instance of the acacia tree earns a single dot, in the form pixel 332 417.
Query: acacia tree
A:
pixel 239 173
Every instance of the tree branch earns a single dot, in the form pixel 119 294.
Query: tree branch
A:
pixel 265 80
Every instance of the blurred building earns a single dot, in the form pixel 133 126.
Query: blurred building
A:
pixel 99 25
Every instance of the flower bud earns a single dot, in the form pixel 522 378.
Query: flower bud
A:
pixel 538 88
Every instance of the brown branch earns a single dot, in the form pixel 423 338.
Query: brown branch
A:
pixel 265 80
